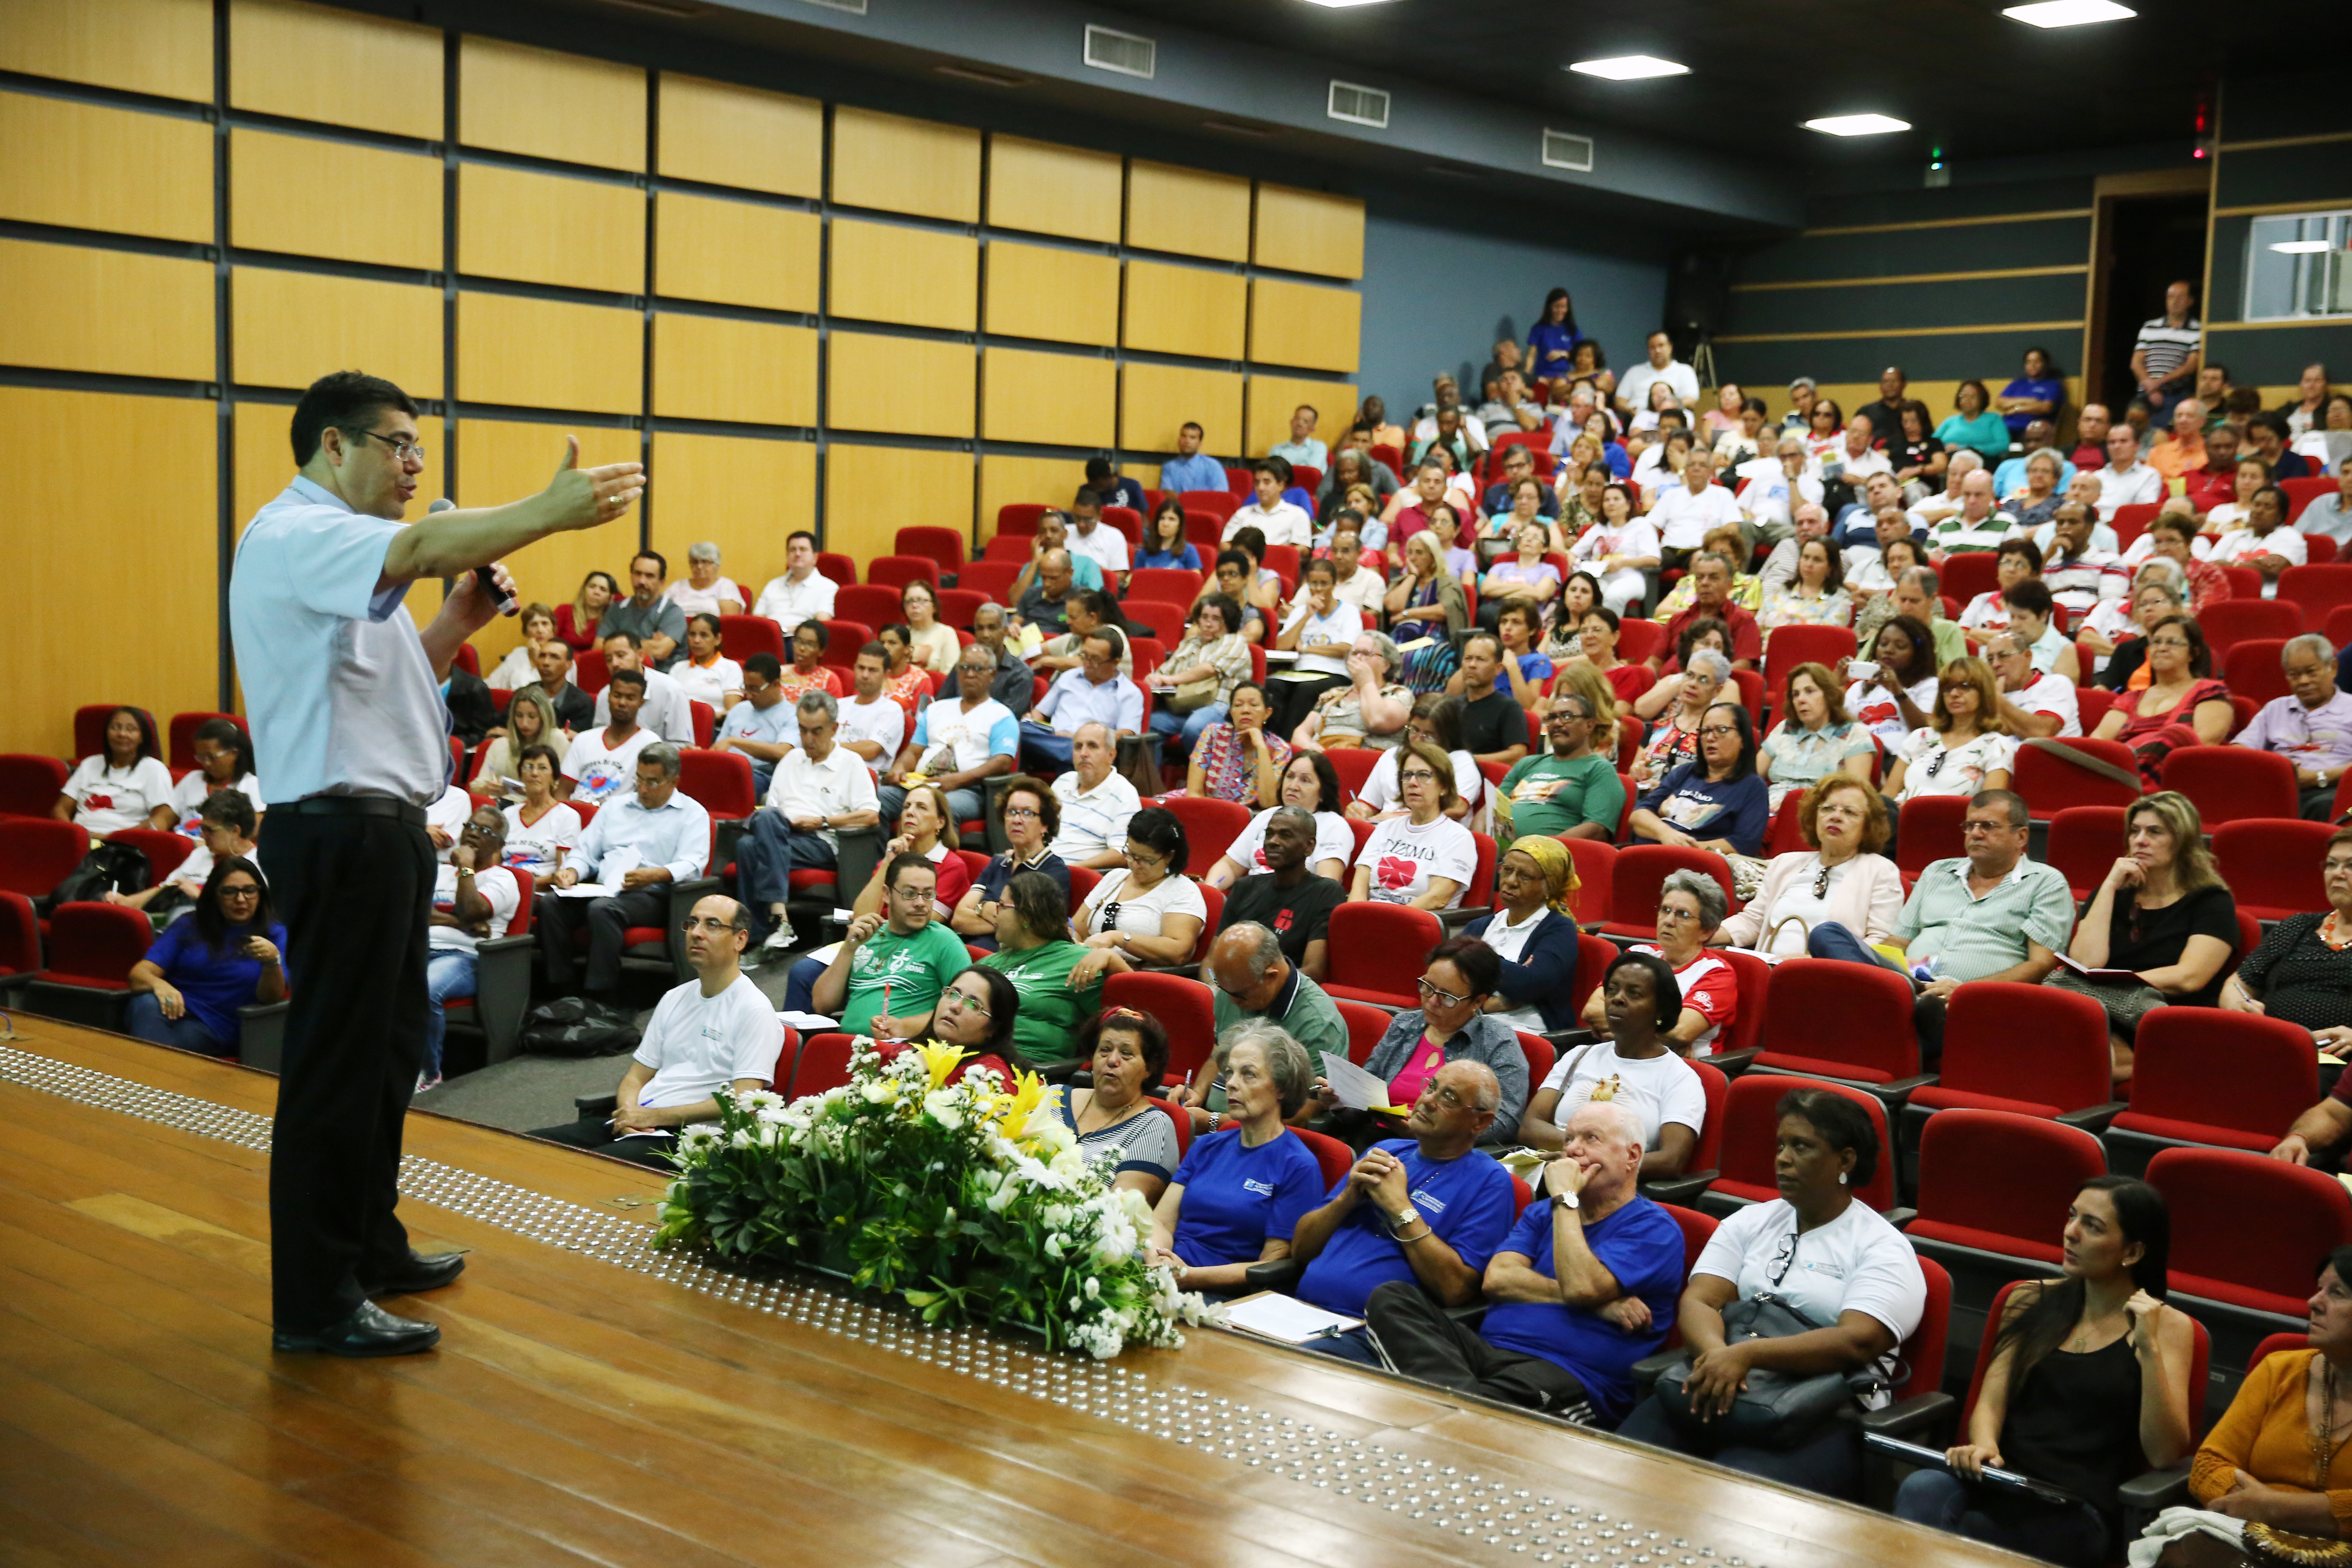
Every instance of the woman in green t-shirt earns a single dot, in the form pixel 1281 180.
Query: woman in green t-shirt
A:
pixel 1035 952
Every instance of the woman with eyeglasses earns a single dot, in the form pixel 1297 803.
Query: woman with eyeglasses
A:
pixel 1311 783
pixel 1034 951
pixel 1840 878
pixel 540 829
pixel 1030 816
pixel 1968 747
pixel 1836 1261
pixel 226 956
pixel 978 1012
pixel 1147 911
pixel 1621 549
pixel 935 646
pixel 1641 1001
pixel 1718 802
pixel 1239 1192
pixel 1113 1118
pixel 1452 1025
pixel 1690 912
pixel 1423 858
pixel 1893 688
pixel 224 754
pixel 1684 698
pixel 530 721
pixel 1212 651
pixel 1438 721
pixel 2183 705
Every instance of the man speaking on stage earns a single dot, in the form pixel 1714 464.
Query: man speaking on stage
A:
pixel 352 740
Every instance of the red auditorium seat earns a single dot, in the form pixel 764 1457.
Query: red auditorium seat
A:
pixel 1182 1005
pixel 180 745
pixel 2273 866
pixel 2029 1049
pixel 1967 574
pixel 2204 1076
pixel 2301 493
pixel 2084 842
pixel 1751 1125
pixel 30 783
pixel 1594 954
pixel 868 604
pixel 835 568
pixel 1354 765
pixel 1697 1229
pixel 164 851
pixel 1376 952
pixel 1596 870
pixel 2050 784
pixel 823 1063
pixel 844 636
pixel 1931 831
pixel 990 577
pixel 20 937
pixel 1168 584
pixel 2317 591
pixel 1641 869
pixel 1210 829
pixel 502 984
pixel 2232 784
pixel 1706 1155
pixel 1020 518
pixel 706 721
pixel 2131 522
pixel 2252 669
pixel 1128 522
pixel 1994 1188
pixel 944 545
pixel 2243 619
pixel 1843 1023
pixel 1365 1025
pixel 1181 1118
pixel 92 949
pixel 2248 1233
pixel 718 782
pixel 1541 1056
pixel 743 635
pixel 588 671
pixel 36 853
pixel 895 572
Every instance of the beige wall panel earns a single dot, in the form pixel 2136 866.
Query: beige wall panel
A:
pixel 163 47
pixel 262 465
pixel 63 451
pixel 1309 231
pixel 914 277
pixel 547 228
pixel 308 62
pixel 1009 481
pixel 901 385
pixel 1059 400
pixel 273 204
pixel 1188 212
pixel 727 135
pixel 550 105
pixel 744 495
pixel 751 373
pixel 287 328
pixel 1302 324
pixel 79 166
pixel 1272 399
pixel 70 308
pixel 736 253
pixel 901 166
pixel 547 354
pixel 1158 399
pixel 502 460
pixel 1067 191
pixel 1063 296
pixel 1186 311
pixel 938 485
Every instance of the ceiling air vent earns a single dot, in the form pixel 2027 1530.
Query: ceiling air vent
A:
pixel 1359 105
pixel 1564 150
pixel 1122 52
pixel 857 7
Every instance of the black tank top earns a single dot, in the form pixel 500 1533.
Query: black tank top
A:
pixel 2075 1424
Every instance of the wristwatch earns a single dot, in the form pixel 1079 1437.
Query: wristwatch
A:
pixel 1566 1200
pixel 1399 1220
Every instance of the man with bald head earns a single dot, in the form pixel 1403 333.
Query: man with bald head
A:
pixel 1249 978
pixel 1425 1211
pixel 1585 1285
pixel 2183 450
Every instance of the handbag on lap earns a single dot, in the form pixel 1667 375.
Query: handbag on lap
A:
pixel 1775 1409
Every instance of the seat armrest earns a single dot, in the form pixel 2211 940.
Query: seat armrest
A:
pixel 1061 1071
pixel 1897 1090
pixel 1455 919
pixel 2152 1491
pixel 730 832
pixel 1278 1274
pixel 1569 1039
pixel 2095 1117
pixel 1913 1419
pixel 596 1106
pixel 1680 1190
pixel 261 1027
pixel 856 852
pixel 1899 1216
pixel 1652 1367
pixel 1731 1063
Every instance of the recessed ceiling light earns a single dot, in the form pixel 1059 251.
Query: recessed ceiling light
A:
pixel 2069 13
pixel 1856 124
pixel 1336 4
pixel 2301 247
pixel 1630 67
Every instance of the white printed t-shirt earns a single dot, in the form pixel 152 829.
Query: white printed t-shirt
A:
pixel 600 772
pixel 496 884
pixel 1404 856
pixel 108 800
pixel 1660 1088
pixel 1857 1263
pixel 1334 841
pixel 698 1044
pixel 1710 989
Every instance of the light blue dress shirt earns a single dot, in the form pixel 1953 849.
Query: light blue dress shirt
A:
pixel 675 836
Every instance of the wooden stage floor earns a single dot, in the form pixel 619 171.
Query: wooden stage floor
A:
pixel 592 1403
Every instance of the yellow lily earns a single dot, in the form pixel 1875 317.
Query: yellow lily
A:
pixel 940 1059
pixel 1029 1093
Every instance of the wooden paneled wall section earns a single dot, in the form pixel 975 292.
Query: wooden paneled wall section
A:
pixel 797 314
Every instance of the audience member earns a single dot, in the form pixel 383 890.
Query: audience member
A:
pixel 639 844
pixel 228 955
pixel 1711 599
pixel 810 641
pixel 1035 952
pixel 1894 684
pixel 705 674
pixel 1634 386
pixel 2156 599
pixel 574 708
pixel 764 725
pixel 1424 858
pixel 873 725
pixel 2330 514
pixel 1494 720
pixel 904 682
pixel 1690 914
pixel 1029 817
pixel 819 789
pixel 886 978
pixel 1716 800
pixel 530 721
pixel 576 622
pixel 2182 450
pixel 1436 721
pixel 1684 698
pixel 540 830
pixel 1290 899
pixel 1115 489
pixel 1966 748
pixel 475 897
pixel 1094 693
pixel 1974 425
pixel 1194 684
pixel 127 785
pixel 2181 706
pixel 225 825
pixel 517 667
pixel 1686 513
pixel 1817 739
pixel 1567 790
pixel 803 593
pixel 2032 704
pixel 927 827
pixel 600 763
pixel 473 714
pixel 1115 1118
pixel 957 745
pixel 1146 910
pixel 1533 931
pixel 1190 469
pixel 1624 549
pixel 1237 760
pixel 1011 684
pixel 705 592
pixel 935 646
pixel 1311 783
pixel 2267 1461
pixel 1239 1194
pixel 1089 536
pixel 1249 980
pixel 666 710
pixel 2078 574
pixel 656 621
pixel 2263 541
pixel 1842 878
pixel 1096 802
pixel 1634 1066
pixel 2311 726
pixel 1164 545
pixel 1280 520
pixel 1370 710
pixel 223 752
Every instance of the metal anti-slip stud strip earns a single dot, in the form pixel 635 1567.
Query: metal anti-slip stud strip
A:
pixel 1469 1509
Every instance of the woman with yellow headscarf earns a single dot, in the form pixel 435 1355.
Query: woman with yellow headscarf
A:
pixel 1534 932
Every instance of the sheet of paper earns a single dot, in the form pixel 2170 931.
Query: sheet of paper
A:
pixel 1354 1088
pixel 808 1023
pixel 614 867
pixel 1286 1318
pixel 590 891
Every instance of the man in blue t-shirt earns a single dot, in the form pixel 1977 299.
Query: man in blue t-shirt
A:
pixel 1425 1211
pixel 1585 1286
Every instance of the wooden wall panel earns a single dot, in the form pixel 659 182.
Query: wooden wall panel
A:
pixel 896 164
pixel 287 328
pixel 547 228
pixel 905 386
pixel 81 165
pixel 744 495
pixel 872 492
pixel 1063 296
pixel 751 372
pixel 1302 324
pixel 273 203
pixel 1274 398
pixel 1188 212
pixel 1055 400
pixel 736 253
pixel 547 354
pixel 1048 189
pixel 63 451
pixel 1009 481
pixel 502 460
pixel 1158 399
pixel 1308 231
pixel 727 135
pixel 161 47
pixel 70 308
pixel 516 98
pixel 308 62
pixel 913 277
pixel 1186 311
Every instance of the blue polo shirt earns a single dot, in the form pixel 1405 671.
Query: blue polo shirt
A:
pixel 1466 1201
pixel 1641 1245
pixel 1198 472
pixel 213 984
pixel 1234 1198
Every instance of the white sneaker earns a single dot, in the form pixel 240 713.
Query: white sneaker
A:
pixel 777 940
pixel 424 1083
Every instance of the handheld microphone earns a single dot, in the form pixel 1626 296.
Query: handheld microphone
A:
pixel 507 603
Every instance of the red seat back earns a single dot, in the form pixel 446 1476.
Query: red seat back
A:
pixel 95 944
pixel 1335 1157
pixel 1641 868
pixel 1082 885
pixel 588 671
pixel 991 577
pixel 20 935
pixel 2001 1183
pixel 870 604
pixel 1182 1005
pixel 1365 1025
pixel 2248 1230
pixel 1931 831
pixel 1968 573
pixel 2252 668
pixel 1183 1120
pixel 1376 952
pixel 2029 1049
pixel 30 783
pixel 180 749
pixel 719 781
pixel 2235 619
pixel 2050 784
pixel 1354 765
pixel 2273 866
pixel 897 571
pixel 2235 1079
pixel 2301 493
pixel 1838 1020
pixel 1210 827
pixel 1128 522
pixel 960 607
pixel 1751 1126
pixel 2229 783
pixel 1755 978
pixel 1539 1054
pixel 1170 585
pixel 36 853
pixel 2317 591
pixel 2085 841
pixel 2131 522
pixel 743 635
pixel 1594 954
pixel 944 545
pixel 2276 1344
pixel 1707 1154
pixel 164 851
pixel 1221 504
pixel 1596 874
pixel 823 1064
pixel 1020 518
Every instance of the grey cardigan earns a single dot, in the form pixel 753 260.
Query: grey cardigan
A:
pixel 1486 1038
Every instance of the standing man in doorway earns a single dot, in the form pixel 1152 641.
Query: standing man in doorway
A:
pixel 347 721
pixel 2166 354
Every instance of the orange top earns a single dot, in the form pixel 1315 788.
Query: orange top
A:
pixel 2265 1435
pixel 2173 457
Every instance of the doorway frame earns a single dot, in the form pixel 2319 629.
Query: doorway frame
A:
pixel 2193 179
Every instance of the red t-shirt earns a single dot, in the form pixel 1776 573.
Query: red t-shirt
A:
pixel 1747 638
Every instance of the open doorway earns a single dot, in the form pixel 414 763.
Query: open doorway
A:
pixel 2148 230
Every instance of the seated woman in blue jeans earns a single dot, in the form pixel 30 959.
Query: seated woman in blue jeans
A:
pixel 226 954
pixel 2089 1382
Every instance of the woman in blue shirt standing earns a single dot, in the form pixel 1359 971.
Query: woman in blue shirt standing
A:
pixel 1551 342
pixel 1239 1194
pixel 226 956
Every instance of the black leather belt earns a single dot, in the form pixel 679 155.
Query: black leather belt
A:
pixel 353 805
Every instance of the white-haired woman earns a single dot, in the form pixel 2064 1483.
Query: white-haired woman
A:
pixel 1239 1194
pixel 705 590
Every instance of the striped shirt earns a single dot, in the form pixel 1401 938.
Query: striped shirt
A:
pixel 2166 345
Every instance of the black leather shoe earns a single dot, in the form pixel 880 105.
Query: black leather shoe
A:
pixel 419 1273
pixel 370 1331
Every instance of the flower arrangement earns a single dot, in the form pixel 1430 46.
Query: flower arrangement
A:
pixel 958 1196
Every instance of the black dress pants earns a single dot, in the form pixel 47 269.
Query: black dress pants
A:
pixel 596 1137
pixel 355 892
pixel 556 920
pixel 1428 1345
